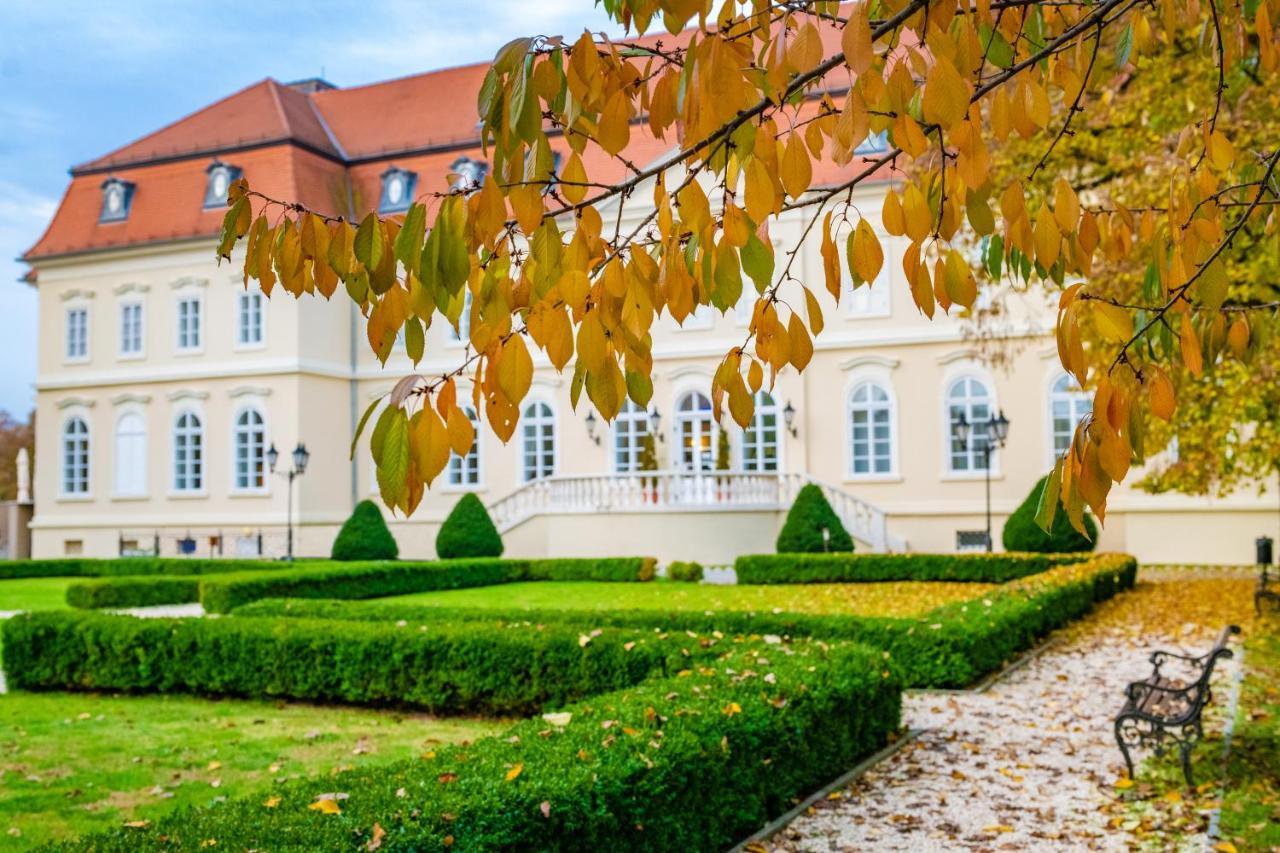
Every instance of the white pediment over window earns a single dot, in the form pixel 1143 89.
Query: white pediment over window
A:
pixel 188 394
pixel 124 399
pixel 76 293
pixel 130 287
pixel 861 361
pixel 189 281
pixel 76 402
pixel 249 391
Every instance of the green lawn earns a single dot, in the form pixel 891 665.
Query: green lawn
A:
pixel 34 593
pixel 75 762
pixel 864 599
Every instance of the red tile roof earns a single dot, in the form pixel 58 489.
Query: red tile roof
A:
pixel 305 145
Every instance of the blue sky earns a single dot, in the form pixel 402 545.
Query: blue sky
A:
pixel 78 79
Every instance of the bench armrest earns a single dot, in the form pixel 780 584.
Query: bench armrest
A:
pixel 1137 689
pixel 1159 657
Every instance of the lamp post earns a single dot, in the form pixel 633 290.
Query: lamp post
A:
pixel 789 418
pixel 992 435
pixel 300 457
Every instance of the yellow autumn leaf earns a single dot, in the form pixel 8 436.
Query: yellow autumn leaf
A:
pixel 614 131
pixel 514 772
pixel 271 802
pixel 731 709
pixel 796 171
pixel 326 806
pixel 1048 239
pixel 1160 393
pixel 865 255
pixel 1113 321
pixel 1224 847
pixel 1192 356
pixel 855 40
pixel 946 97
pixel 1124 783
pixel 573 178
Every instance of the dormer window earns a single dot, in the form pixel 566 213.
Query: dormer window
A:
pixel 220 177
pixel 468 174
pixel 397 190
pixel 116 197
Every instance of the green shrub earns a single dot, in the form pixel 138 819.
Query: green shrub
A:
pixel 855 568
pixel 949 647
pixel 126 591
pixel 810 514
pixel 612 569
pixel 689 762
pixel 466 668
pixel 356 580
pixel 687 571
pixel 365 536
pixel 468 531
pixel 91 568
pixel 1021 533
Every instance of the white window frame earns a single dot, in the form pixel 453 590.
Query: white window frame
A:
pixel 81 482
pixel 237 431
pixel 461 475
pixel 546 422
pixel 124 306
pixel 870 406
pixel 1079 403
pixel 974 455
pixel 69 356
pixel 188 488
pixel 765 404
pixel 631 425
pixel 703 417
pixel 189 348
pixel 137 467
pixel 245 298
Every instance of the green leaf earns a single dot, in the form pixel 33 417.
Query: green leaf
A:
pixel 998 51
pixel 414 340
pixel 408 245
pixel 368 242
pixel 639 388
pixel 757 263
pixel 1124 46
pixel 230 226
pixel 995 255
pixel 1048 506
pixel 364 419
pixel 378 440
pixel 393 466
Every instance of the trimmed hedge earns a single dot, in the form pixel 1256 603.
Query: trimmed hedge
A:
pixel 809 515
pixel 694 761
pixel 949 647
pixel 376 580
pixel 852 568
pixel 468 531
pixel 69 567
pixel 1021 533
pixel 682 570
pixel 132 592
pixel 365 536
pixel 444 669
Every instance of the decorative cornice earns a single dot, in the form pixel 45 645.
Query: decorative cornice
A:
pixel 130 287
pixel 960 355
pixel 188 394
pixel 72 402
pixel 249 391
pixel 76 293
pixel 122 399
pixel 189 281
pixel 869 361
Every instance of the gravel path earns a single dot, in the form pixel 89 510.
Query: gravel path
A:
pixel 1028 765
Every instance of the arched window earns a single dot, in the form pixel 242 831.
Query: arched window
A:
pixel 1067 405
pixel 695 433
pixel 538 442
pixel 870 430
pixel 250 448
pixel 629 430
pixel 188 453
pixel 75 457
pixel 760 440
pixel 971 397
pixel 131 455
pixel 465 470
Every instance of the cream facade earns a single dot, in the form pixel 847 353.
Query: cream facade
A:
pixel 162 382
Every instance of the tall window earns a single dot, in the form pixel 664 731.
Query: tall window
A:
pixel 695 433
pixel 972 398
pixel 870 430
pixel 77 333
pixel 188 453
pixel 538 442
pixel 189 323
pixel 1067 405
pixel 629 429
pixel 75 457
pixel 465 470
pixel 250 440
pixel 130 328
pixel 131 455
pixel 760 441
pixel 249 318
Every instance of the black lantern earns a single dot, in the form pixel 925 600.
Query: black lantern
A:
pixel 960 430
pixel 789 418
pixel 273 456
pixel 300 458
pixel 655 419
pixel 591 427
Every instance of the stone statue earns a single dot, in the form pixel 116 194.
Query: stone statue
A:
pixel 24 476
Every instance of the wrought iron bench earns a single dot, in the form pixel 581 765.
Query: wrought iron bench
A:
pixel 1163 712
pixel 1265 591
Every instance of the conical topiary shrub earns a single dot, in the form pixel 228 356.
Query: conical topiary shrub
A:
pixel 1021 533
pixel 468 532
pixel 364 536
pixel 802 533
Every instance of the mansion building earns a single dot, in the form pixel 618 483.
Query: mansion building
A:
pixel 163 383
